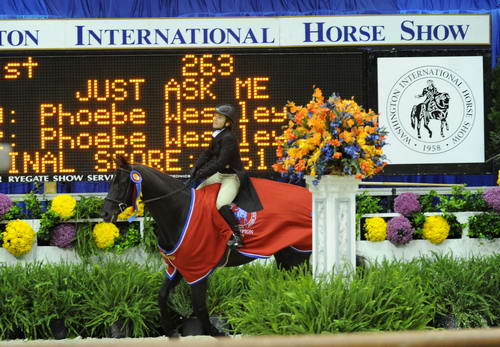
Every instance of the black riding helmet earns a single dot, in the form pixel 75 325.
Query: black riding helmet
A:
pixel 228 111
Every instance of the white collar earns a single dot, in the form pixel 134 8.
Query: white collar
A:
pixel 217 132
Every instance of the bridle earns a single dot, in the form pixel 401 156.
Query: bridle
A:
pixel 123 205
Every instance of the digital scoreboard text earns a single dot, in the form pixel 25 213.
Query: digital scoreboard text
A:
pixel 66 117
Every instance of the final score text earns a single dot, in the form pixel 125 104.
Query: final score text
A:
pixel 103 117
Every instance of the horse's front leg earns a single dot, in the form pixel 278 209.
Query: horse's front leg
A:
pixel 168 318
pixel 199 301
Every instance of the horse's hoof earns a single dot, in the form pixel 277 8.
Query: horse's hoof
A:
pixel 192 327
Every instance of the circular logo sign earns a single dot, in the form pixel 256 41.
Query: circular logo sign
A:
pixel 430 109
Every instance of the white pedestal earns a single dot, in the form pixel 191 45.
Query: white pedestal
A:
pixel 334 224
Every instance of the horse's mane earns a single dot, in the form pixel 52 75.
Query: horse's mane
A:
pixel 157 174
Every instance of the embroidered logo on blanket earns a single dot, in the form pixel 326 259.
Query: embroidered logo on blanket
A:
pixel 246 219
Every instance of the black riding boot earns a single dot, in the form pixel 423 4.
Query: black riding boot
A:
pixel 227 214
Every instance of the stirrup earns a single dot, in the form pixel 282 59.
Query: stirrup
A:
pixel 235 242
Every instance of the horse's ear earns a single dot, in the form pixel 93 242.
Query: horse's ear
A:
pixel 122 162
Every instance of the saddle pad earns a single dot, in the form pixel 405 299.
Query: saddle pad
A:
pixel 284 221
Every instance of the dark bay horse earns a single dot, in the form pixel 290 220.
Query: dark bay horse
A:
pixel 170 204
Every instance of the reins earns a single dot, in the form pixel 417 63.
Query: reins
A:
pixel 122 205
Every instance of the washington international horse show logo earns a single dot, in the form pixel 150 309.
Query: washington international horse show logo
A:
pixel 430 109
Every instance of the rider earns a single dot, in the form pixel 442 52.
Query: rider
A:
pixel 221 163
pixel 429 92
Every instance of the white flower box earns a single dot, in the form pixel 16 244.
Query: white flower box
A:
pixel 464 247
pixel 53 254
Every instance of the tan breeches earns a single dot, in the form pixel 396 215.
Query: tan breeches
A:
pixel 229 186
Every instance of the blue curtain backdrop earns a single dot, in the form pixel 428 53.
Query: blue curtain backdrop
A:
pixel 22 9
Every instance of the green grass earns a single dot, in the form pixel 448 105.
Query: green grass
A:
pixel 426 293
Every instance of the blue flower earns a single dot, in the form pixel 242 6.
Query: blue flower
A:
pixel 352 151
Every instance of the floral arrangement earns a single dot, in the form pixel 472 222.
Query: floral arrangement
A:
pixel 5 204
pixel 492 198
pixel 407 204
pixel 336 137
pixel 399 230
pixel 105 234
pixel 18 237
pixel 435 229
pixel 64 206
pixel 129 211
pixel 63 235
pixel 375 229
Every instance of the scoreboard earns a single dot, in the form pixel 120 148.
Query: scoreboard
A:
pixel 67 114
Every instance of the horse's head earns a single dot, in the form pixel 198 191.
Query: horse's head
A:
pixel 442 100
pixel 120 194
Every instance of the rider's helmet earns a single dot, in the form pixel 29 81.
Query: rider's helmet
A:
pixel 228 111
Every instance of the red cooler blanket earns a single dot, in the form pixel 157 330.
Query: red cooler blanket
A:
pixel 285 221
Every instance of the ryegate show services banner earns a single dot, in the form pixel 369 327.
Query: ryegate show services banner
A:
pixel 432 108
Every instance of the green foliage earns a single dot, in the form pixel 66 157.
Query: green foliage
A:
pixel 49 220
pixel 366 204
pixel 89 207
pixel 129 237
pixel 255 299
pixel 418 220
pixel 456 227
pixel 84 243
pixel 120 290
pixel 428 201
pixel 33 205
pixel 15 301
pixel 386 298
pixel 466 290
pixel 484 225
pixel 494 115
pixel 149 239
pixel 15 212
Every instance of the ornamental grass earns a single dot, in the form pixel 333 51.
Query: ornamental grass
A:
pixel 423 294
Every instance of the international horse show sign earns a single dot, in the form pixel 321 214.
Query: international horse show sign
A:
pixel 74 93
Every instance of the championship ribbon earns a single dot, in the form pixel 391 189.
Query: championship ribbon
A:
pixel 136 178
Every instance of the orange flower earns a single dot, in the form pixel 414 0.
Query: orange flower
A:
pixel 335 143
pixel 279 151
pixel 318 95
pixel 337 155
pixel 278 167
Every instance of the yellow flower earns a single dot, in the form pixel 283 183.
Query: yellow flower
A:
pixel 435 229
pixel 376 229
pixel 498 180
pixel 129 211
pixel 64 205
pixel 105 234
pixel 18 237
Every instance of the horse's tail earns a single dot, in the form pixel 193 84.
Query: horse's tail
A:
pixel 413 116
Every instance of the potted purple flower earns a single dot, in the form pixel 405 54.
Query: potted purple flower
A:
pixel 63 235
pixel 407 204
pixel 399 230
